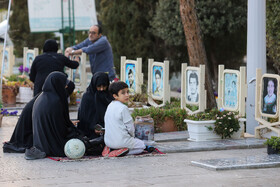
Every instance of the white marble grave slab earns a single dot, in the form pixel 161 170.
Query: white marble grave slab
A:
pixel 249 162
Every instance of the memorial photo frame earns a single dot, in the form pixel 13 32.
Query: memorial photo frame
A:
pixel 267 91
pixel 9 60
pixel 232 89
pixel 131 74
pixel 158 82
pixel 192 83
pixel 269 99
pixel 193 91
pixel 79 75
pixel 28 56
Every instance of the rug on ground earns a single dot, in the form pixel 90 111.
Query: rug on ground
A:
pixel 156 152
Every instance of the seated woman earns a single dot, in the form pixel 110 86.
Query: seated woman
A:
pixel 52 127
pixel 22 137
pixel 92 110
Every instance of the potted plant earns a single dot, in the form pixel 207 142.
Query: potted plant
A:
pixel 166 119
pixel 273 145
pixel 214 124
pixel 10 89
pixel 25 85
pixel 138 100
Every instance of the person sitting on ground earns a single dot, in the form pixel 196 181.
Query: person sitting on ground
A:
pixel 48 62
pixel 22 137
pixel 119 128
pixel 92 110
pixel 52 127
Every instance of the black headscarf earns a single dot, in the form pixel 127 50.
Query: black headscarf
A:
pixel 94 104
pixel 50 46
pixel 52 127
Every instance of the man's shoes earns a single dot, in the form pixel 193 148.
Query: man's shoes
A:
pixel 118 152
pixel 106 151
pixel 34 153
pixel 11 148
pixel 150 148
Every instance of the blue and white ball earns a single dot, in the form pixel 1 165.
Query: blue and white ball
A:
pixel 74 149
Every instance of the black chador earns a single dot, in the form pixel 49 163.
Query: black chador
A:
pixel 22 137
pixel 94 104
pixel 52 127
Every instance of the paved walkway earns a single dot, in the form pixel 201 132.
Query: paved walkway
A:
pixel 173 169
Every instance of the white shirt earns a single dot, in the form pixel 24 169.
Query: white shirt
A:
pixel 119 126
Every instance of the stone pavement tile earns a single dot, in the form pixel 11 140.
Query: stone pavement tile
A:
pixel 248 162
pixel 189 146
pixel 171 136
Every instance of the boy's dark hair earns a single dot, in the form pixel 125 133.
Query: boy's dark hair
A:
pixel 115 87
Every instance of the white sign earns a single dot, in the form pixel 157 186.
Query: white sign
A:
pixel 46 15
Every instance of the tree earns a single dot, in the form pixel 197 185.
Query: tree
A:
pixel 273 34
pixel 223 29
pixel 126 24
pixel 196 50
pixel 20 32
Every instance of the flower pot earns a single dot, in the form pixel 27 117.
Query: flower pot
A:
pixel 271 151
pixel 167 126
pixel 9 95
pixel 198 130
pixel 25 94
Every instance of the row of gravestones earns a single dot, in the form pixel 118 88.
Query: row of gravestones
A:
pixel 232 87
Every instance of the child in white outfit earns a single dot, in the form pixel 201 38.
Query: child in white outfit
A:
pixel 119 128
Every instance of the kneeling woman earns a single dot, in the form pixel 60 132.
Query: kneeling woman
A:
pixel 52 127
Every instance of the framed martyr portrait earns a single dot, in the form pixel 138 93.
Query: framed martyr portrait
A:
pixel 130 77
pixel 192 86
pixel 6 62
pixel 157 82
pixel 230 90
pixel 269 91
pixel 29 59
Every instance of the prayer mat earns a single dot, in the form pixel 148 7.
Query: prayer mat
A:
pixel 156 152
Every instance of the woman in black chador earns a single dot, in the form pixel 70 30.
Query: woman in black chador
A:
pixel 22 137
pixel 92 110
pixel 48 62
pixel 52 127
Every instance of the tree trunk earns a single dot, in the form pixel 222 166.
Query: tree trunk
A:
pixel 196 50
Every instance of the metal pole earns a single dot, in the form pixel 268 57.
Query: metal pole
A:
pixel 73 13
pixel 256 56
pixel 4 48
pixel 62 28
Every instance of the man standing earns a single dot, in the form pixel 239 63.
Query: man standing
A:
pixel 99 50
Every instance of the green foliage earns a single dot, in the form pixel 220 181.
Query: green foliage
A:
pixel 272 33
pixel 226 124
pixel 223 26
pixel 160 114
pixel 274 142
pixel 126 25
pixel 203 116
pixel 192 107
pixel 20 32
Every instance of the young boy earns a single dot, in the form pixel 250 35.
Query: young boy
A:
pixel 119 128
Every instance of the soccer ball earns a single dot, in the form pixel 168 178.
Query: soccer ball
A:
pixel 74 148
